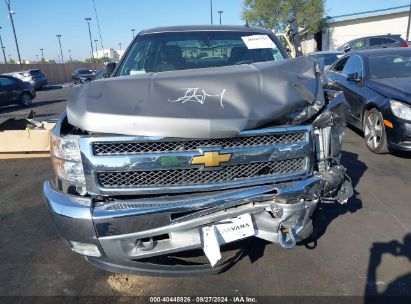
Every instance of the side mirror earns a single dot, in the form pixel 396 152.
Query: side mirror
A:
pixel 111 66
pixel 347 49
pixel 353 77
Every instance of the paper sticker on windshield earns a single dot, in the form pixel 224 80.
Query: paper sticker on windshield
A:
pixel 258 42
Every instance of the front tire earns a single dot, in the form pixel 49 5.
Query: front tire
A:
pixel 374 132
pixel 25 99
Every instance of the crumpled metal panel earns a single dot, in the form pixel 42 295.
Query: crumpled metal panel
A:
pixel 201 103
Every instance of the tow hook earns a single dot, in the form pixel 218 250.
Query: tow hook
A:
pixel 143 246
pixel 282 237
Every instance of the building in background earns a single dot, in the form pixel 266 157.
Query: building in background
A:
pixel 113 54
pixel 340 29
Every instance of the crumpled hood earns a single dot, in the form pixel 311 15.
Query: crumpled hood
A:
pixel 395 88
pixel 200 103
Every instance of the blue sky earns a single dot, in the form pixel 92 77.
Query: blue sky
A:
pixel 38 21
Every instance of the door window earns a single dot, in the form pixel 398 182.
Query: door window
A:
pixel 339 66
pixel 377 41
pixel 358 44
pixel 390 41
pixel 353 65
pixel 6 81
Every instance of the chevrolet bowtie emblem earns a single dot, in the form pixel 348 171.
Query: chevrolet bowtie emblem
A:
pixel 211 159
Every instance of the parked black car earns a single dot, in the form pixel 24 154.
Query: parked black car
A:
pixel 15 91
pixel 377 85
pixel 34 76
pixel 373 42
pixel 82 76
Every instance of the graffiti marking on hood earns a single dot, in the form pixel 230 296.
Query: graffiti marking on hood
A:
pixel 197 95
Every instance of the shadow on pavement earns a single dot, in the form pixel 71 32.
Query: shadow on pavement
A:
pixel 395 153
pixel 51 87
pixel 13 108
pixel 401 154
pixel 326 212
pixel 398 287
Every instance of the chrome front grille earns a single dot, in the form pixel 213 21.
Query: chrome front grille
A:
pixel 112 148
pixel 195 176
pixel 133 165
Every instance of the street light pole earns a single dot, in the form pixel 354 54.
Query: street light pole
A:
pixel 211 11
pixel 133 30
pixel 91 41
pixel 61 50
pixel 95 44
pixel 14 30
pixel 408 26
pixel 2 47
pixel 71 60
pixel 220 12
pixel 42 54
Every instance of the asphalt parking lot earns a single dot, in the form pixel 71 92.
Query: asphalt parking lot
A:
pixel 363 247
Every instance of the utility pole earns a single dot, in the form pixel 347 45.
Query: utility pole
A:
pixel 98 25
pixel 61 50
pixel 220 12
pixel 294 32
pixel 408 26
pixel 133 30
pixel 71 60
pixel 211 11
pixel 2 47
pixel 42 54
pixel 95 44
pixel 91 41
pixel 14 30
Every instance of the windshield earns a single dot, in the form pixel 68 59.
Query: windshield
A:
pixel 390 66
pixel 329 59
pixel 36 72
pixel 84 71
pixel 343 47
pixel 192 50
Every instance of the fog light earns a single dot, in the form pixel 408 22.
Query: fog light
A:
pixel 85 249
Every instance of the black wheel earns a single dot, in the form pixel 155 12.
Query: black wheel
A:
pixel 374 132
pixel 25 99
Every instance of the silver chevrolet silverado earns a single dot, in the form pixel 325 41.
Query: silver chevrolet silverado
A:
pixel 202 138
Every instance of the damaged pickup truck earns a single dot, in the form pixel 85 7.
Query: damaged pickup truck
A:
pixel 202 138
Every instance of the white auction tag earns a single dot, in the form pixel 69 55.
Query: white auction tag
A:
pixel 235 229
pixel 258 42
pixel 211 247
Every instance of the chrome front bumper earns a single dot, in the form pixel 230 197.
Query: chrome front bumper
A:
pixel 128 230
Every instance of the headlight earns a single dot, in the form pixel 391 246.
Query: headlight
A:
pixel 66 159
pixel 400 109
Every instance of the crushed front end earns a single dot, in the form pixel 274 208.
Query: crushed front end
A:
pixel 127 201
